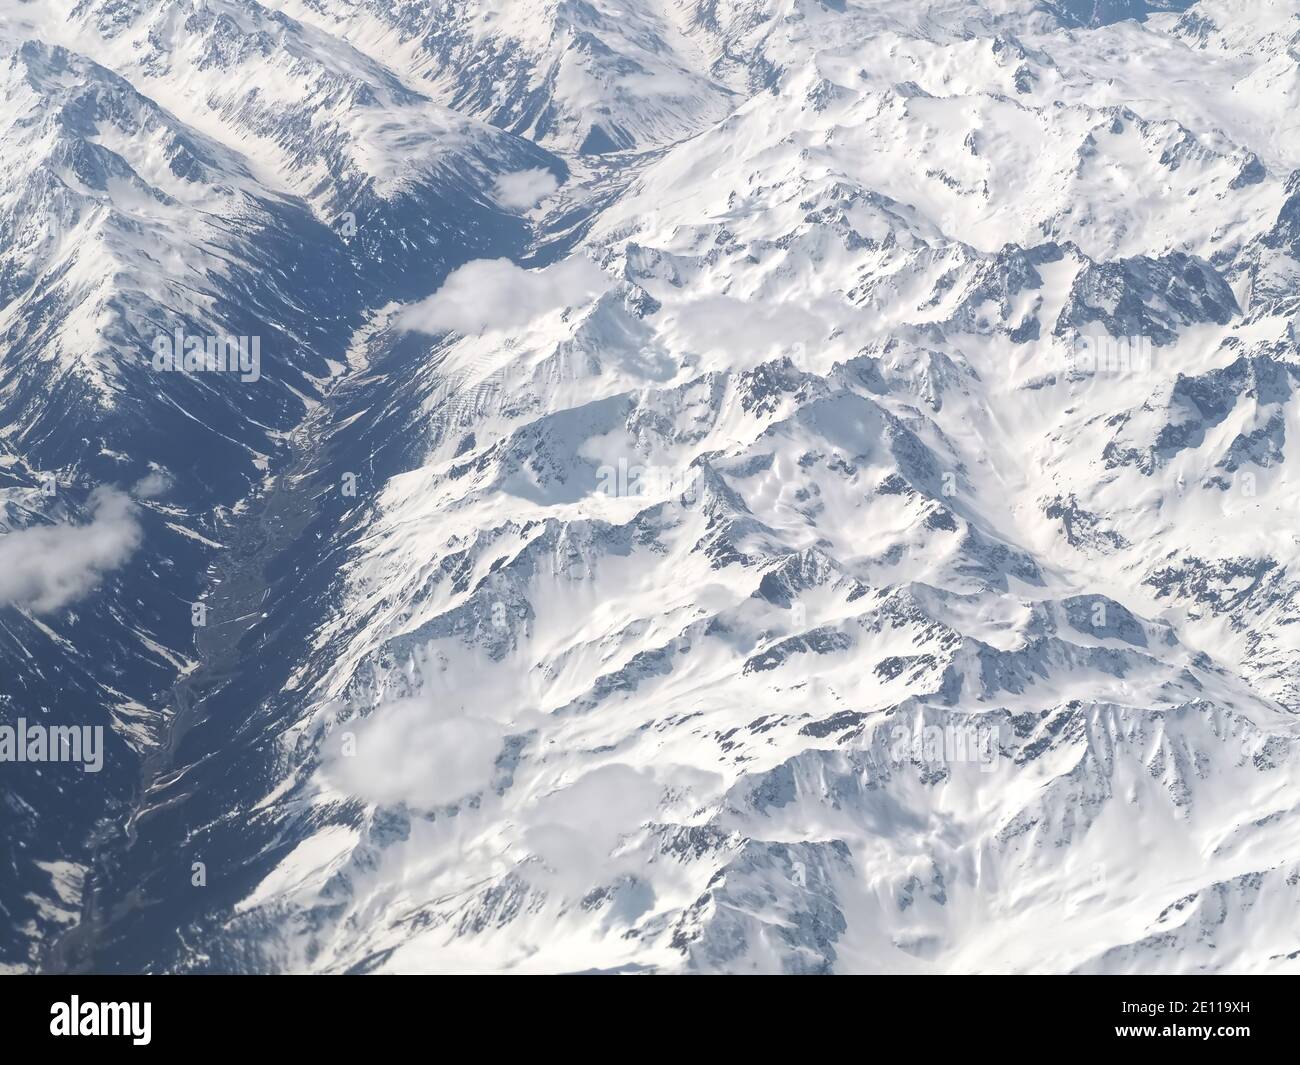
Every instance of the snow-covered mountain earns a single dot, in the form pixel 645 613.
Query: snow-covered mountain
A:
pixel 759 486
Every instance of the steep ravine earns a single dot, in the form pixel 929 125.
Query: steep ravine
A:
pixel 284 538
pixel 236 591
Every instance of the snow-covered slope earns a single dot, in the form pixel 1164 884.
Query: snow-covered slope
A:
pixel 124 222
pixel 791 486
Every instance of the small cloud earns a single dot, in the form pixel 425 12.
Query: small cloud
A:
pixel 497 294
pixel 151 485
pixel 45 567
pixel 413 751
pixel 575 829
pixel 525 189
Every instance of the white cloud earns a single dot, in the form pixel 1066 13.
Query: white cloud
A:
pixel 45 567
pixel 525 189
pixel 573 830
pixel 416 751
pixel 497 294
pixel 152 485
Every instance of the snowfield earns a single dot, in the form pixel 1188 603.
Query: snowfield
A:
pixel 763 486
